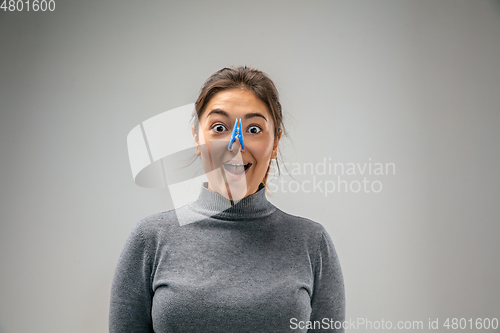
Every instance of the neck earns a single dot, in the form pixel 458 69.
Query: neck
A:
pixel 228 193
pixel 213 204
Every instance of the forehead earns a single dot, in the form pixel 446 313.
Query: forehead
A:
pixel 236 102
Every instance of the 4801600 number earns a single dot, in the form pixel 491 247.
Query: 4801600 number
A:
pixel 479 323
pixel 34 5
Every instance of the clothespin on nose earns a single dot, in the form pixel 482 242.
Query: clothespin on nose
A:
pixel 236 133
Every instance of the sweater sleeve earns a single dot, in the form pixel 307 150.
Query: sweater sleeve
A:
pixel 328 298
pixel 131 292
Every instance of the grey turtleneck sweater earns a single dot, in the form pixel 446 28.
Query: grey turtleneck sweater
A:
pixel 249 268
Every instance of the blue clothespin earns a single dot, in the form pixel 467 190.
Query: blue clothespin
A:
pixel 236 133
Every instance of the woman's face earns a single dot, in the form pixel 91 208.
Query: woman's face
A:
pixel 235 174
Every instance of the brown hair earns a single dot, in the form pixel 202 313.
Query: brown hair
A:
pixel 251 79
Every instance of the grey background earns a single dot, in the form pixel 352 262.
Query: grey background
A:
pixel 415 83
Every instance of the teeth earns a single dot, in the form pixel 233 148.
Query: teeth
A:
pixel 237 164
pixel 236 168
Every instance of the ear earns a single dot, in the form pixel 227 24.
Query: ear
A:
pixel 274 154
pixel 196 142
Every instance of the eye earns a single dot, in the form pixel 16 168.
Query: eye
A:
pixel 219 128
pixel 254 129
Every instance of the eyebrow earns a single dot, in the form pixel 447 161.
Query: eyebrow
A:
pixel 225 114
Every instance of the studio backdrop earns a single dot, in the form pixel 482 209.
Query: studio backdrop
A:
pixel 392 110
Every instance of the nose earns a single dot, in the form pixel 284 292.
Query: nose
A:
pixel 235 147
pixel 237 133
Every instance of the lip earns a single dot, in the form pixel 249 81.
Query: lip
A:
pixel 236 162
pixel 236 177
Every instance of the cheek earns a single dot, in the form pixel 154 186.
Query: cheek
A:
pixel 263 155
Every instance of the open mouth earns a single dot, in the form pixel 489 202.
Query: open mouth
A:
pixel 237 169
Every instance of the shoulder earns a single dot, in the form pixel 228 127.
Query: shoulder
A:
pixel 158 221
pixel 300 224
pixel 152 228
pixel 302 228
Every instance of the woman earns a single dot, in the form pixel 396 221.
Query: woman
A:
pixel 242 265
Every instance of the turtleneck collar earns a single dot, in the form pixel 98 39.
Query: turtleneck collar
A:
pixel 215 205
